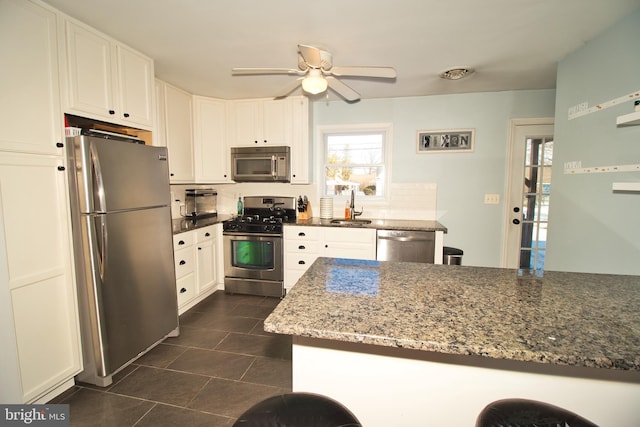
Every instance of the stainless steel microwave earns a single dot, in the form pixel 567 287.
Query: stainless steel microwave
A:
pixel 261 164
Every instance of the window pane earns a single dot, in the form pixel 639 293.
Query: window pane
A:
pixel 341 180
pixel 354 161
pixel 354 149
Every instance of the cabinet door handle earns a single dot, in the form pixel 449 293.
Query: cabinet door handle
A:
pixel 183 262
pixel 516 221
pixel 326 246
pixel 183 290
pixel 207 234
pixel 301 234
pixel 60 168
pixel 199 248
pixel 112 112
pixel 301 262
pixel 59 144
pixel 301 247
pixel 181 242
pixel 126 114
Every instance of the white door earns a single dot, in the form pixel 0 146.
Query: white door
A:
pixel 527 204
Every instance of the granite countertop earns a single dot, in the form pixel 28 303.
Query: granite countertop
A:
pixel 380 224
pixel 577 319
pixel 182 225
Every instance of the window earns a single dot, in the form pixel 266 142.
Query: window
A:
pixel 356 159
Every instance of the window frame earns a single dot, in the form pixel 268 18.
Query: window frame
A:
pixel 364 128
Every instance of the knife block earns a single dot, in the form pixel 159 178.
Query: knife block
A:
pixel 307 213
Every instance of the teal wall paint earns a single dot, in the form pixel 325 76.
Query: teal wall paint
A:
pixel 591 228
pixel 462 179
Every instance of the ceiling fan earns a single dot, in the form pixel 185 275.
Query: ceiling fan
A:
pixel 317 73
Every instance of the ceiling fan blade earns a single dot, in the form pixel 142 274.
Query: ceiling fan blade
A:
pixel 289 88
pixel 342 89
pixel 311 55
pixel 381 72
pixel 252 71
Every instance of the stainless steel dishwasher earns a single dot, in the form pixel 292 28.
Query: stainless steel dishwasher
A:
pixel 405 245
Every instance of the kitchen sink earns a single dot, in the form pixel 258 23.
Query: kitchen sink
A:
pixel 350 222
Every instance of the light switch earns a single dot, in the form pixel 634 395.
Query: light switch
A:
pixel 491 199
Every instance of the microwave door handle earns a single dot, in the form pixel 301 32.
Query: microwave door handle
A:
pixel 274 167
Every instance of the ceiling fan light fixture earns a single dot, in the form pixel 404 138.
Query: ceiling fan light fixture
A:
pixel 456 73
pixel 314 83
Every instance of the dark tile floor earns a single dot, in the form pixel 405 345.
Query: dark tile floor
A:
pixel 221 364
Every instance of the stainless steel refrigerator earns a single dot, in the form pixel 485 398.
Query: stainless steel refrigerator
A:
pixel 123 244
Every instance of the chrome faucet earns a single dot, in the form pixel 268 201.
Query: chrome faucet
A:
pixel 352 207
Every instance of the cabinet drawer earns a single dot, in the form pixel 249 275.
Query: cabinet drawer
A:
pixel 301 233
pixel 185 261
pixel 350 235
pixel 206 233
pixel 183 239
pixel 303 246
pixel 186 288
pixel 295 261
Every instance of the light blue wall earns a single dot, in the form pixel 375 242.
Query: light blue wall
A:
pixel 462 179
pixel 591 228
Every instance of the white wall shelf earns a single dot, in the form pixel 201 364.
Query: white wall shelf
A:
pixel 632 119
pixel 626 186
pixel 603 169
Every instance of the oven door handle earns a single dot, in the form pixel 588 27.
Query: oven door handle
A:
pixel 236 234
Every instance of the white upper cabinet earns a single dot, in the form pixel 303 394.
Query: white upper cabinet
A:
pixel 260 121
pixel 210 140
pixel 301 152
pixel 107 80
pixel 178 132
pixel 29 88
pixel 135 86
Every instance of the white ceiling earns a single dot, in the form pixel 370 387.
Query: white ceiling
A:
pixel 512 44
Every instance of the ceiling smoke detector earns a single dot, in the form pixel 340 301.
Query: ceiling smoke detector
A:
pixel 456 73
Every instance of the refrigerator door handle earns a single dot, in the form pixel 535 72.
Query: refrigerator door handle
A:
pixel 97 183
pixel 98 241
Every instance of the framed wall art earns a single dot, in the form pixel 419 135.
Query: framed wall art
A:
pixel 446 141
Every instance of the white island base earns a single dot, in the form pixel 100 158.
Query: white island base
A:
pixel 386 386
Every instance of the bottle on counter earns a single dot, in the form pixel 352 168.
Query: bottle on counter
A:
pixel 240 206
pixel 347 214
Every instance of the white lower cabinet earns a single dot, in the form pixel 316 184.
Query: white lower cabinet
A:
pixel 195 254
pixel 39 321
pixel 185 262
pixel 207 251
pixel 302 245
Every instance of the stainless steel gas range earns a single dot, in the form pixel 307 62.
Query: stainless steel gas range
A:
pixel 253 249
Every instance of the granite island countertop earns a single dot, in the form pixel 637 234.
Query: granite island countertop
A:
pixel 574 319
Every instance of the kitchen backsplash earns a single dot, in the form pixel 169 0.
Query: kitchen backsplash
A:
pixel 405 201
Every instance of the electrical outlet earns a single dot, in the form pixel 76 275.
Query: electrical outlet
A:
pixel 491 199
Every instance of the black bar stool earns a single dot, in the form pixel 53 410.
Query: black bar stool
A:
pixel 528 413
pixel 298 410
